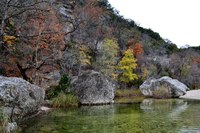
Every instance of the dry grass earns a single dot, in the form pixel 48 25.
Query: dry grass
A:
pixel 64 100
pixel 129 100
pixel 3 121
pixel 162 92
pixel 128 93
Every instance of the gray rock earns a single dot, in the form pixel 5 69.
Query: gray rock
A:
pixel 49 79
pixel 70 62
pixel 11 127
pixel 174 87
pixel 94 88
pixel 67 12
pixel 19 98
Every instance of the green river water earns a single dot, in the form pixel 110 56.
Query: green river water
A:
pixel 148 116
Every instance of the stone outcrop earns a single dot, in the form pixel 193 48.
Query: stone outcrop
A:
pixel 11 127
pixel 172 87
pixel 93 88
pixel 19 98
pixel 70 62
pixel 39 61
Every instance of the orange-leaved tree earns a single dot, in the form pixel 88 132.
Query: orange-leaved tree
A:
pixel 42 41
pixel 138 50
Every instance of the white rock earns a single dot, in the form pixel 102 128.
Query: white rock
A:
pixel 175 87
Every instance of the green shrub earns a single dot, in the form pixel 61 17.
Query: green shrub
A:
pixel 151 33
pixel 164 73
pixel 64 100
pixel 63 86
pixel 2 71
pixel 162 92
pixel 172 48
pixel 61 95
pixel 1 117
pixel 3 120
pixel 128 93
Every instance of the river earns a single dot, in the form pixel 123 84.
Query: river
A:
pixel 148 116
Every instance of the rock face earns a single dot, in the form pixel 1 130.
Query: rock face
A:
pixel 93 88
pixel 70 62
pixel 173 87
pixel 43 70
pixel 11 127
pixel 19 98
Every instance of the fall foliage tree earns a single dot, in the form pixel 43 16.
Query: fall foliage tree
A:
pixel 84 57
pixel 138 50
pixel 107 58
pixel 131 42
pixel 185 67
pixel 126 66
pixel 145 73
pixel 10 9
pixel 43 34
pixel 92 23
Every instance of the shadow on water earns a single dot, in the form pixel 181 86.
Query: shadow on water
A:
pixel 148 116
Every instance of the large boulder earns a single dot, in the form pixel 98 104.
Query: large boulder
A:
pixel 94 88
pixel 165 86
pixel 19 98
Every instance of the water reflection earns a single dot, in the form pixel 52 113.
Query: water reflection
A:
pixel 180 115
pixel 173 108
pixel 96 110
pixel 149 116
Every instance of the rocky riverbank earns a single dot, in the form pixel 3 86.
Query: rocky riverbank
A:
pixel 192 94
pixel 164 87
pixel 19 99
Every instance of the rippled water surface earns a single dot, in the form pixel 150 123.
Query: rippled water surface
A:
pixel 148 116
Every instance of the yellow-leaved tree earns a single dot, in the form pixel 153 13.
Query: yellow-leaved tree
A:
pixel 126 67
pixel 9 40
pixel 107 57
pixel 85 58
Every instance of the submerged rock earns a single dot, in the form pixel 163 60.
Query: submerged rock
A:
pixel 19 98
pixel 94 88
pixel 163 86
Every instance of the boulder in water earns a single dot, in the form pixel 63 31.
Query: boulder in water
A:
pixel 171 87
pixel 92 87
pixel 19 98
